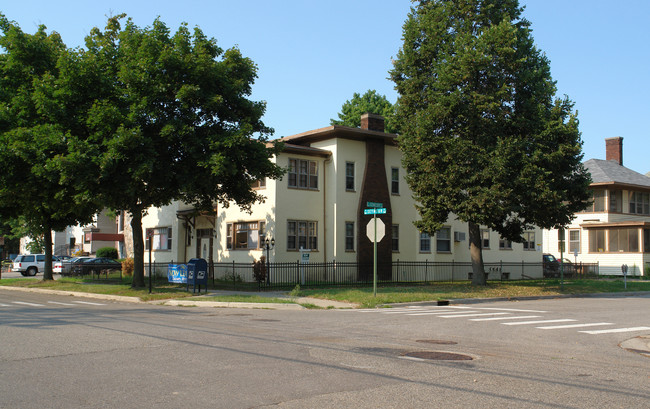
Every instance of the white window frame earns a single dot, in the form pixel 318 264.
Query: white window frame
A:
pixel 161 238
pixel 349 236
pixel 303 174
pixel 443 238
pixel 350 176
pixel 302 233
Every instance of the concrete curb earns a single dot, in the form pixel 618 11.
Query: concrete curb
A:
pixel 76 294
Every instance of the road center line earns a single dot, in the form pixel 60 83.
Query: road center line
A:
pixel 58 303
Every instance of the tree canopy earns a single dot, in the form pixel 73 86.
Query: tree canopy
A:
pixel 483 135
pixel 370 102
pixel 36 164
pixel 170 120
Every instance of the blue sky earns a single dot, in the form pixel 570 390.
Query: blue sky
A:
pixel 312 56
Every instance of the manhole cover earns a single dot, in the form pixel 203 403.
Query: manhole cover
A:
pixel 437 341
pixel 438 356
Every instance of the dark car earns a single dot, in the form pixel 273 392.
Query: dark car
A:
pixel 551 266
pixel 96 265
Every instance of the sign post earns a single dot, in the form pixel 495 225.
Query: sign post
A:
pixel 375 233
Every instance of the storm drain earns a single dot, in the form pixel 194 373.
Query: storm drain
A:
pixel 437 341
pixel 438 356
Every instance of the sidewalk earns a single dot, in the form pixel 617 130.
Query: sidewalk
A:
pixel 197 302
pixel 328 304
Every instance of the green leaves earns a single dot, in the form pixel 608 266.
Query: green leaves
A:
pixel 370 102
pixel 482 133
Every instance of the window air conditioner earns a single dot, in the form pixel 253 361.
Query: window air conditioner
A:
pixel 459 236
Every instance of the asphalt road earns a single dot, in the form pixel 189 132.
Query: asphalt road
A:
pixel 71 352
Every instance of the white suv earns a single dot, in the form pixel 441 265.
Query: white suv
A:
pixel 30 264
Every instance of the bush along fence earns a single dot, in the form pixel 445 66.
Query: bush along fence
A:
pixel 264 276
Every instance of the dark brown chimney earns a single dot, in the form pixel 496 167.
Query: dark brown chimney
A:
pixel 614 149
pixel 372 122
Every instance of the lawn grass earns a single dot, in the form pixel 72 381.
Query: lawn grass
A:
pixel 159 292
pixel 361 296
pixel 446 291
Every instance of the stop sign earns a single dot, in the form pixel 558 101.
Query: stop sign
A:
pixel 370 230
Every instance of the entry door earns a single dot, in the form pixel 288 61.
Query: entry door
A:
pixel 205 247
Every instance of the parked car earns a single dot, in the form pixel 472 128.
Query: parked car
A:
pixel 550 266
pixel 566 267
pixel 95 265
pixel 64 267
pixel 30 264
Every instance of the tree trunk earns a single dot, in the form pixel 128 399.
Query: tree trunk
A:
pixel 47 242
pixel 476 253
pixel 138 249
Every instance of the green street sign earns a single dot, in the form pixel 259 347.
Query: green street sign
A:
pixel 374 211
pixel 374 204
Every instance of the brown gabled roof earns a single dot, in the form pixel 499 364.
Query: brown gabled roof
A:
pixel 305 150
pixel 338 131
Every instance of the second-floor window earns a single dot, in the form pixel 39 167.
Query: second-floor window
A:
pixel 640 203
pixel 349 176
pixel 303 174
pixel 394 181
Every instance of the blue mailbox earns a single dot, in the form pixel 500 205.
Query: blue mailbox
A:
pixel 197 274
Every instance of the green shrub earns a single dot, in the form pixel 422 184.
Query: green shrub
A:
pixel 108 252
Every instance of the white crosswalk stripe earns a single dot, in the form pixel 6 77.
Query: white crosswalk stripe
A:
pixel 615 330
pixel 514 317
pixel 60 303
pixel 594 324
pixel 4 305
pixel 480 314
pixel 537 322
pixel 31 304
pixel 503 316
pixel 88 303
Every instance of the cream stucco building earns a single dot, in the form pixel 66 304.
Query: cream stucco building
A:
pixel 318 205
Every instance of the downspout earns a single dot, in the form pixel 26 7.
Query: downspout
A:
pixel 328 159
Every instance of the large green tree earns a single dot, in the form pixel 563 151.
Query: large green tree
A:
pixel 170 119
pixel 370 102
pixel 36 159
pixel 484 138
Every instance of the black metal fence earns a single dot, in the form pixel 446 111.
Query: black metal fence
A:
pixel 288 275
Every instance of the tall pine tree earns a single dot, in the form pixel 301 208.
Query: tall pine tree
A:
pixel 484 137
